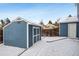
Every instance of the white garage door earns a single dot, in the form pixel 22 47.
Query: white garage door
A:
pixel 72 30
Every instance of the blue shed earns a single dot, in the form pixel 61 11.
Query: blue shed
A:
pixel 21 33
pixel 69 27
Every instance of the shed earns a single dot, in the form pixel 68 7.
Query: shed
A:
pixel 69 27
pixel 21 33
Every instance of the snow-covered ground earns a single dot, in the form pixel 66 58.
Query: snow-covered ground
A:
pixel 64 47
pixel 9 50
pixel 48 46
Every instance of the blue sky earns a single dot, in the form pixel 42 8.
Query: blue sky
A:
pixel 37 12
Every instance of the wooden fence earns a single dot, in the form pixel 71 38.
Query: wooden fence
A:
pixel 1 35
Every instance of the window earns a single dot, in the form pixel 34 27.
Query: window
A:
pixel 34 31
pixel 38 31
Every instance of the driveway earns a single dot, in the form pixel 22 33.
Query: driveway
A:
pixel 54 46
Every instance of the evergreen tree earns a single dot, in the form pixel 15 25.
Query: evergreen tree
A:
pixel 2 22
pixel 7 20
pixel 70 15
pixel 50 22
pixel 41 23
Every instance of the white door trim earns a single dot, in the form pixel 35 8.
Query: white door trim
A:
pixel 27 35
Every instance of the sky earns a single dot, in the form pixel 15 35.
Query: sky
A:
pixel 37 12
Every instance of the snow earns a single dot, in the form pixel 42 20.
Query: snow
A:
pixel 9 50
pixel 48 46
pixel 69 19
pixel 64 47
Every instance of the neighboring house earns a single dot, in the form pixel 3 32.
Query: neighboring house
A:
pixel 69 27
pixel 49 29
pixel 21 33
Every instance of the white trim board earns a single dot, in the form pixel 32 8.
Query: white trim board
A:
pixel 27 26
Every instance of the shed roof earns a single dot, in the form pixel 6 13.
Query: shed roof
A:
pixel 29 22
pixel 21 19
pixel 69 19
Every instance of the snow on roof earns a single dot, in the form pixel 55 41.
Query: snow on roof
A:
pixel 69 19
pixel 49 26
pixel 18 19
pixel 27 21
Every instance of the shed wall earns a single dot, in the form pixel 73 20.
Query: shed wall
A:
pixel 15 34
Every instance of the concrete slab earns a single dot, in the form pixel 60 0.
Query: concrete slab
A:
pixel 9 50
pixel 65 47
pixel 57 46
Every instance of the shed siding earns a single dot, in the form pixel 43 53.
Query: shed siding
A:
pixel 77 29
pixel 15 35
pixel 63 29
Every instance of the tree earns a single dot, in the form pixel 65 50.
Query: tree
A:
pixel 50 22
pixel 2 22
pixel 57 22
pixel 41 23
pixel 70 15
pixel 7 20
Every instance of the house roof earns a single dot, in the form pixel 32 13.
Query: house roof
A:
pixel 49 26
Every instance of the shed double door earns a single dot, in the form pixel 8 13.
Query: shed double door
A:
pixel 72 30
pixel 63 29
pixel 34 35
